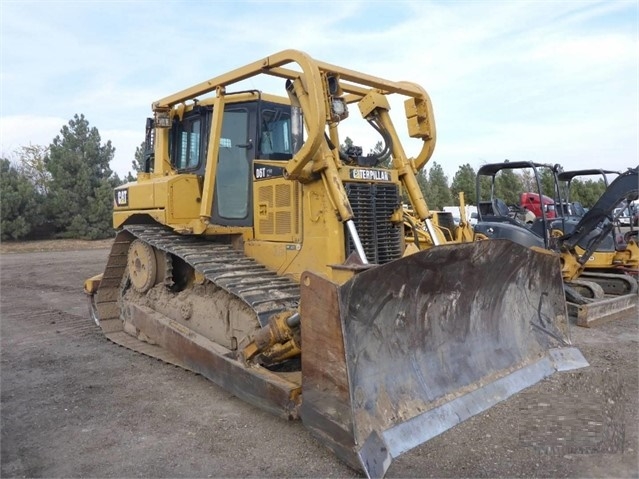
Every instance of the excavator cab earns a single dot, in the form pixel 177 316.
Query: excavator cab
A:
pixel 495 220
pixel 566 178
pixel 260 254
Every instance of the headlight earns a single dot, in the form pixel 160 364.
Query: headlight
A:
pixel 339 109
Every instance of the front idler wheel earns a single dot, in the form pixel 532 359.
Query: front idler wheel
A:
pixel 143 267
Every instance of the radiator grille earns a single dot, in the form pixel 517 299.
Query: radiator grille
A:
pixel 373 205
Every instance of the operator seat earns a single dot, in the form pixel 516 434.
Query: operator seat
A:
pixel 500 208
pixel 496 207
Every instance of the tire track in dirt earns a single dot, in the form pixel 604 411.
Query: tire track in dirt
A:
pixel 43 328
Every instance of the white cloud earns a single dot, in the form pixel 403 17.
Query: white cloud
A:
pixel 24 130
pixel 125 143
pixel 550 81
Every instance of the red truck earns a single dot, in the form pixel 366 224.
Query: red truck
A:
pixel 531 202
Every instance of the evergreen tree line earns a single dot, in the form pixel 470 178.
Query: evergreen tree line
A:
pixel 509 184
pixel 63 190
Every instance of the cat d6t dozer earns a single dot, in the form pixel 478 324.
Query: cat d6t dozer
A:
pixel 255 251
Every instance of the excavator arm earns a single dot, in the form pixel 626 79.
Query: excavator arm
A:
pixel 624 187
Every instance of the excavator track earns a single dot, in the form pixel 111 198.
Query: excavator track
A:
pixel 609 296
pixel 261 290
pixel 613 284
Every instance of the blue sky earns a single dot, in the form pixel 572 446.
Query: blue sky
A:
pixel 548 81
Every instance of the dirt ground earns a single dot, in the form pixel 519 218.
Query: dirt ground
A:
pixel 75 405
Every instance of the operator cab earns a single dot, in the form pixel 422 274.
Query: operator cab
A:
pixel 251 130
pixel 495 218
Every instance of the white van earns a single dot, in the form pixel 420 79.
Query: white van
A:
pixel 471 214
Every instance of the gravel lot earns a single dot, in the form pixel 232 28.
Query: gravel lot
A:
pixel 75 405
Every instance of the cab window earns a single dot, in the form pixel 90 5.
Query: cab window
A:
pixel 189 145
pixel 280 135
pixel 188 141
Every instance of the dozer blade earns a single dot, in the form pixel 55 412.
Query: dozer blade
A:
pixel 404 351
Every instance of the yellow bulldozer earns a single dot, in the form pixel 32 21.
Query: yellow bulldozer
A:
pixel 255 251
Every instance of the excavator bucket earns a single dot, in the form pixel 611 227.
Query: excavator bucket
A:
pixel 404 351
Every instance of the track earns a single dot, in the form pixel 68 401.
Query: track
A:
pixel 612 284
pixel 261 290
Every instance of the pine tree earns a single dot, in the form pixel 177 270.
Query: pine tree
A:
pixel 547 180
pixel 528 182
pixel 586 192
pixel 508 186
pixel 32 160
pixel 20 205
pixel 81 181
pixel 465 181
pixel 137 164
pixel 437 193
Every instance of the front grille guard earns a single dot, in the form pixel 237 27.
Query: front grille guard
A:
pixel 373 205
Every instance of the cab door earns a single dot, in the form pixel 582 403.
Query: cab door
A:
pixel 232 202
